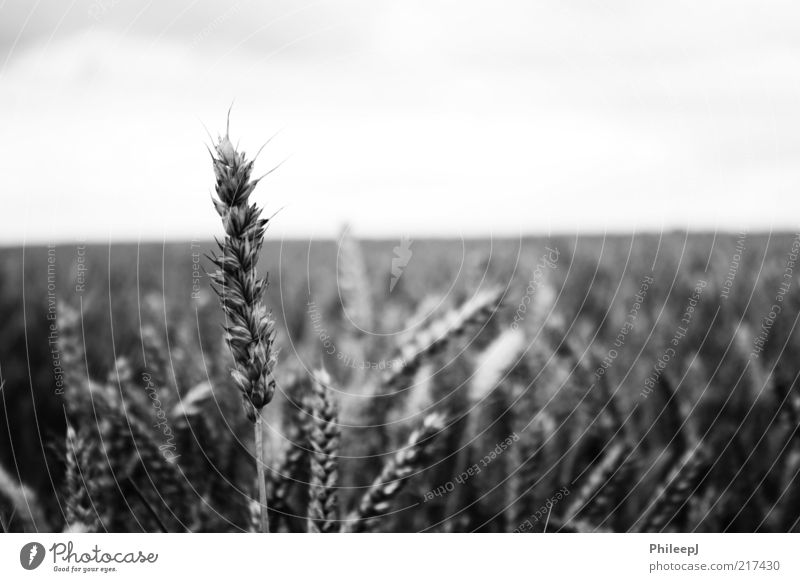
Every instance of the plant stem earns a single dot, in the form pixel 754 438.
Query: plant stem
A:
pixel 262 483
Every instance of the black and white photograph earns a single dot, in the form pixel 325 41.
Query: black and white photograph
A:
pixel 384 267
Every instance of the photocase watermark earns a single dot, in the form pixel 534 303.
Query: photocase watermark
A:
pixel 168 448
pixel 99 8
pixel 52 318
pixel 329 346
pixel 66 559
pixel 31 555
pixel 82 269
pixel 196 270
pixel 543 511
pixel 402 256
pixel 680 332
pixel 627 327
pixel 473 470
pixel 777 306
pixel 549 260
pixel 95 560
pixel 209 28
pixel 733 266
pixel 55 355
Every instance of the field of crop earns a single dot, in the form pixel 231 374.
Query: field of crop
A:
pixel 642 383
pixel 625 383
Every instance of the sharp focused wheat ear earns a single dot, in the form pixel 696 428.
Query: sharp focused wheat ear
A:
pixel 250 329
pixel 376 501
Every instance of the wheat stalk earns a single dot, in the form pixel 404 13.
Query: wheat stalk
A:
pixel 406 463
pixel 323 512
pixel 249 329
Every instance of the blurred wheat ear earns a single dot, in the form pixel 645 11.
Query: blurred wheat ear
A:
pixel 675 492
pixel 323 510
pixel 249 328
pixel 24 504
pixel 354 284
pixel 434 339
pixel 424 345
pixel 410 460
pixel 286 471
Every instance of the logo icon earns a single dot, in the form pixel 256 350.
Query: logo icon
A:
pixel 402 256
pixel 31 555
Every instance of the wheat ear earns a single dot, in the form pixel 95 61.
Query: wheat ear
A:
pixel 323 511
pixel 323 437
pixel 249 329
pixel 24 503
pixel 81 514
pixel 601 475
pixel 73 357
pixel 284 475
pixel 677 490
pixel 419 350
pixel 406 463
pixel 601 508
pixel 354 284
pixel 702 514
pixel 439 334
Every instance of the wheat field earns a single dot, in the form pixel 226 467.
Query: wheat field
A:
pixel 642 382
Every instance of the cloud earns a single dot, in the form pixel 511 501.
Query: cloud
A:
pixel 438 118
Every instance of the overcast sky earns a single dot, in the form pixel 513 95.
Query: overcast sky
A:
pixel 428 117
